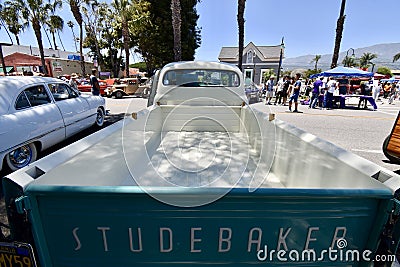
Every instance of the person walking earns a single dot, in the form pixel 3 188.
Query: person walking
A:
pixel 376 90
pixel 72 82
pixel 363 92
pixel 285 89
pixel 332 86
pixel 269 94
pixel 94 82
pixel 278 92
pixel 295 94
pixel 317 85
pixel 392 93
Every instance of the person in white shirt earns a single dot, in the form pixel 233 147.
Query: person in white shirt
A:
pixel 269 93
pixel 72 83
pixel 332 85
pixel 376 90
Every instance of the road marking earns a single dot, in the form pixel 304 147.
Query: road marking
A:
pixel 367 151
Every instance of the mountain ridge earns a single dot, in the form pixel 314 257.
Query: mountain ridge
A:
pixel 384 52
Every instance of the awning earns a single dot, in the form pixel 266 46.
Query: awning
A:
pixel 344 71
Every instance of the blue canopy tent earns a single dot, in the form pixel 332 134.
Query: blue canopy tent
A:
pixel 391 80
pixel 343 71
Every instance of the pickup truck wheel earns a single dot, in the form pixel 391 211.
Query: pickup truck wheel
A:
pixel 100 117
pixel 118 95
pixel 385 152
pixel 21 156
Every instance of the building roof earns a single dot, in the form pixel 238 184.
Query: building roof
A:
pixel 265 53
pixel 34 51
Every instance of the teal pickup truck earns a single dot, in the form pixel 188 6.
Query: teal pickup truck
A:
pixel 199 178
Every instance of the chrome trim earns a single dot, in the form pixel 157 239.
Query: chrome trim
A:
pixel 44 134
pixel 81 120
pixel 31 140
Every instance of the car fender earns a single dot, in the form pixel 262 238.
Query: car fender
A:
pixel 94 101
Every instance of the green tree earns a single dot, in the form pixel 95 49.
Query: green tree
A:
pixel 55 22
pixel 124 10
pixel 350 61
pixel 240 19
pixel 94 14
pixel 268 73
pixel 316 59
pixel 36 13
pixel 71 25
pixel 365 59
pixel 111 43
pixel 12 17
pixel 176 26
pixel 310 72
pixel 140 65
pixel 339 33
pixel 385 71
pixel 155 40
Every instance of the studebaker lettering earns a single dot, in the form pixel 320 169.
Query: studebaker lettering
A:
pixel 223 237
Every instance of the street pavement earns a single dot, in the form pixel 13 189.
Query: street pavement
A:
pixel 361 131
pixel 357 130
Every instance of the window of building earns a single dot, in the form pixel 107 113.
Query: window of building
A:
pixel 250 57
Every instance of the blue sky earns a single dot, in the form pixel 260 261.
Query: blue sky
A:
pixel 308 26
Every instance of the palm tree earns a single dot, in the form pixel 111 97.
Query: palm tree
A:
pixel 75 6
pixel 365 59
pixel 316 59
pixel 71 25
pixel 124 10
pixel 396 57
pixel 12 17
pixel 349 61
pixel 55 23
pixel 240 19
pixel 176 25
pixel 35 13
pixel 339 33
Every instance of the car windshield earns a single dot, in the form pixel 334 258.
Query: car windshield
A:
pixel 201 78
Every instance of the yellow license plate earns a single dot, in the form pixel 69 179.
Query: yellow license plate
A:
pixel 16 255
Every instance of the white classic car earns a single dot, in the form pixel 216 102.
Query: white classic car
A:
pixel 38 112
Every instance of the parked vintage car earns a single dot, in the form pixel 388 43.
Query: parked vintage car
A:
pixel 85 86
pixel 38 112
pixel 126 87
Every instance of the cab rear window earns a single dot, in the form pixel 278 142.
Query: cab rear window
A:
pixel 201 78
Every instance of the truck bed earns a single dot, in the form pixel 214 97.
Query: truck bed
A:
pixel 143 153
pixel 201 159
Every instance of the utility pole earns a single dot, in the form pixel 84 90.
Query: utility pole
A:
pixel 280 60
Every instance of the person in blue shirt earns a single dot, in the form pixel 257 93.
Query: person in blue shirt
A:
pixel 295 94
pixel 315 92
